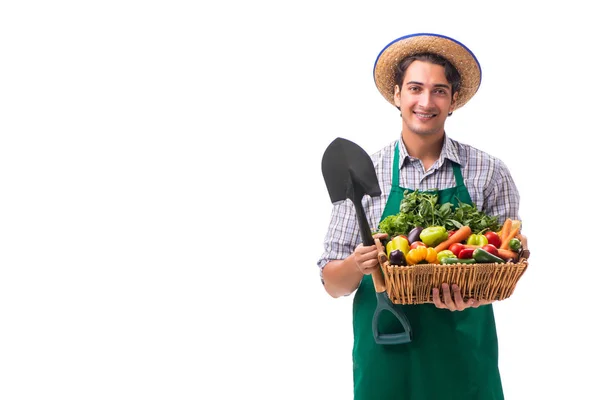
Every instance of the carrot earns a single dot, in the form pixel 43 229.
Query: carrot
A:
pixel 505 229
pixel 511 235
pixel 460 235
pixel 508 254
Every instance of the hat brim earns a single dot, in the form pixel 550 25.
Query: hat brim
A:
pixel 458 54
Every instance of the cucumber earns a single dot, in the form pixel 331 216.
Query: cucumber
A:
pixel 456 260
pixel 484 257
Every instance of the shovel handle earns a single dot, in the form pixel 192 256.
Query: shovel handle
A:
pixel 378 279
pixel 368 240
pixel 363 224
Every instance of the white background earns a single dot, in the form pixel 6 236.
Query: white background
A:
pixel 162 205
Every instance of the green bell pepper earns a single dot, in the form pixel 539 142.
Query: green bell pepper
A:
pixel 433 235
pixel 477 240
pixel 444 254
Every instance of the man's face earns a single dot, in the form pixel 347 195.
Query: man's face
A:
pixel 425 99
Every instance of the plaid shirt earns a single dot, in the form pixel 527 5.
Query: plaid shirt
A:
pixel 487 179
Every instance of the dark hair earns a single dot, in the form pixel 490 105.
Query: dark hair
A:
pixel 451 73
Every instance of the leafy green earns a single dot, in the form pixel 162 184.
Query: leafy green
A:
pixel 422 209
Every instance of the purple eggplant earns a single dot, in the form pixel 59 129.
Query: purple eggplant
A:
pixel 415 234
pixel 397 258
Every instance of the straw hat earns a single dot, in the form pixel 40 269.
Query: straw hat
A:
pixel 457 53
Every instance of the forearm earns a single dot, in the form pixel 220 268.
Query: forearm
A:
pixel 341 277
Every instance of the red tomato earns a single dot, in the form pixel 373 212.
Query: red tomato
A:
pixel 466 253
pixel 450 233
pixel 456 248
pixel 493 238
pixel 414 245
pixel 490 248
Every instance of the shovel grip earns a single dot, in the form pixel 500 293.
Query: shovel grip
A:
pixel 384 304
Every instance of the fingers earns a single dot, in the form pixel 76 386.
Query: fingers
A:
pixel 452 298
pixel 448 297
pixel 458 300
pixel 436 299
pixel 366 259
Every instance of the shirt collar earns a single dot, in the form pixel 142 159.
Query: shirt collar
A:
pixel 449 151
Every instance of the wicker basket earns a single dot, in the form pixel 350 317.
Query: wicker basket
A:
pixel 414 284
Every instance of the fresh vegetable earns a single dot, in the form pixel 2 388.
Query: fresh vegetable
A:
pixel 513 232
pixel 433 235
pixel 422 209
pixel 397 243
pixel 478 240
pixel 482 256
pixel 397 258
pixel 493 238
pixel 455 260
pixel 466 214
pixel 508 254
pixel 420 254
pixel 456 248
pixel 459 236
pixel 514 244
pixel 413 235
pixel 443 254
pixel 414 245
pixel 466 253
pixel 505 230
pixel 490 248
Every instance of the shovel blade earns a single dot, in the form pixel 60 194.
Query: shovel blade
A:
pixel 348 171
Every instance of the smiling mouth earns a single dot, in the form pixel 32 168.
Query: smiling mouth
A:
pixel 421 115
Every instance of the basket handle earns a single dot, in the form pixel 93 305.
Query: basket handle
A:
pixel 525 253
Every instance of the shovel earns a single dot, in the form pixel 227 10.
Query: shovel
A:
pixel 350 174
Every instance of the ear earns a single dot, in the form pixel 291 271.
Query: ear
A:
pixel 397 95
pixel 453 103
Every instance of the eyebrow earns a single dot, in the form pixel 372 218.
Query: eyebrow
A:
pixel 435 85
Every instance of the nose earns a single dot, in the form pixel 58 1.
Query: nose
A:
pixel 426 99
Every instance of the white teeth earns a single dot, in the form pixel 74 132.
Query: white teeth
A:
pixel 424 115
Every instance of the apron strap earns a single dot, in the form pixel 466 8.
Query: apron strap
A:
pixel 396 168
pixel 461 190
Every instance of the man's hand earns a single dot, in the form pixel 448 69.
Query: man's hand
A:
pixel 454 302
pixel 366 256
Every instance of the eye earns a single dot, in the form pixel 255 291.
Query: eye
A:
pixel 440 91
pixel 414 88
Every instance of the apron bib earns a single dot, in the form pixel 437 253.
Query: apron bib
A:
pixel 453 355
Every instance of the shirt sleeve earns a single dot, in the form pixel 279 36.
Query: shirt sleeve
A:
pixel 501 196
pixel 342 234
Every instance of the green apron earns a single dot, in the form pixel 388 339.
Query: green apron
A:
pixel 453 355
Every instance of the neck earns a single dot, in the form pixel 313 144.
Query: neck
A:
pixel 425 148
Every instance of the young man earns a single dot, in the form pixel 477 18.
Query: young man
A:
pixel 453 355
